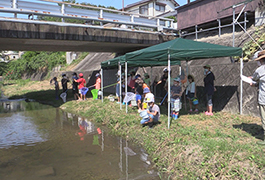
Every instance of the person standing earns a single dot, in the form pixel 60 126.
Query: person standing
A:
pixel 191 92
pixel 64 82
pixel 98 84
pixel 118 90
pixel 81 84
pixel 56 86
pixel 75 86
pixel 147 79
pixel 131 82
pixel 162 82
pixel 175 98
pixel 209 88
pixel 259 77
pixel 138 91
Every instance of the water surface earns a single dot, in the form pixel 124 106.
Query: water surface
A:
pixel 41 142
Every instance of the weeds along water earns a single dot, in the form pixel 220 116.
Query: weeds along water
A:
pixel 196 146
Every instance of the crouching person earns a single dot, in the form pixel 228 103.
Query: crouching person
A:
pixel 152 114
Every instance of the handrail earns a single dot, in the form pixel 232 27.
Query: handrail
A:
pixel 64 10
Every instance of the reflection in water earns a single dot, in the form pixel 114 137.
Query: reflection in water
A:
pixel 18 129
pixel 44 142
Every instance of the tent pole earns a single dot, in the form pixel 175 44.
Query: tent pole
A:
pixel 168 92
pixel 241 84
pixel 187 72
pixel 151 78
pixel 120 86
pixel 234 14
pixel 102 84
pixel 126 84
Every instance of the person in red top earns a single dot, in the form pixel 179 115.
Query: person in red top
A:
pixel 81 84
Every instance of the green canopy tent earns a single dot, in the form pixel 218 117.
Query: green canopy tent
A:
pixel 174 51
pixel 181 50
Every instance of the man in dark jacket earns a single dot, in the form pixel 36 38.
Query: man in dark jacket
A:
pixel 209 88
pixel 64 82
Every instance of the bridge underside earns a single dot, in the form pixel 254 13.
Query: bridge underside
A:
pixel 18 36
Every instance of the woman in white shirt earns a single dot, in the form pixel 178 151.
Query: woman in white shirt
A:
pixel 191 92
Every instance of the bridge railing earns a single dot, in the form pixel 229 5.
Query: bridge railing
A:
pixel 87 13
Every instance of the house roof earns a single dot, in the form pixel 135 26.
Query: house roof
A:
pixel 145 1
pixel 168 13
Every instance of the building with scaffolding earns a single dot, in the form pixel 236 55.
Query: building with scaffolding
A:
pixel 213 16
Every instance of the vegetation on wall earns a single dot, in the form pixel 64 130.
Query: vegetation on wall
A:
pixel 32 62
pixel 172 17
pixel 251 47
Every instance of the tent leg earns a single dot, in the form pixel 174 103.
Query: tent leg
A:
pixel 187 72
pixel 169 98
pixel 102 84
pixel 120 87
pixel 241 85
pixel 126 85
pixel 151 78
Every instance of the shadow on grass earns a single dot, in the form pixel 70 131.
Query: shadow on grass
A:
pixel 48 97
pixel 252 129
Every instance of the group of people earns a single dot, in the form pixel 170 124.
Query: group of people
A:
pixel 149 111
pixel 79 88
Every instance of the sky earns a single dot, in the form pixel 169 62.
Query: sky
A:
pixel 118 3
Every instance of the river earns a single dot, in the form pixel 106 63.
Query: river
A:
pixel 40 142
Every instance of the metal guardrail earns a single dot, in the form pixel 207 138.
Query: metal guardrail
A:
pixel 65 10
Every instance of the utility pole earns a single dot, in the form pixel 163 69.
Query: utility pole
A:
pixel 122 5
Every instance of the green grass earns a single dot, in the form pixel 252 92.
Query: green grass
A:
pixel 196 146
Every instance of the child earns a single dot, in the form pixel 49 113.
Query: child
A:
pixel 56 86
pixel 118 90
pixel 75 86
pixel 175 98
pixel 82 82
pixel 139 91
pixel 153 113
pixel 145 92
pixel 98 84
pixel 191 92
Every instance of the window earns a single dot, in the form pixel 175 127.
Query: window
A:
pixel 160 7
pixel 143 9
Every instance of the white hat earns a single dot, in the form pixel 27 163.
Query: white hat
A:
pixel 177 79
pixel 149 97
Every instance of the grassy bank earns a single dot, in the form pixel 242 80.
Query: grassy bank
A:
pixel 196 146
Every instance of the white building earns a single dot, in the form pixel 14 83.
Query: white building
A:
pixel 152 7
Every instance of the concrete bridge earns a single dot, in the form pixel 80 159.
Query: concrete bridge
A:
pixel 20 36
pixel 22 29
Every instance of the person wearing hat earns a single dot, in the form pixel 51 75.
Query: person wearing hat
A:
pixel 259 77
pixel 152 115
pixel 191 92
pixel 98 83
pixel 75 86
pixel 146 90
pixel 175 97
pixel 81 84
pixel 209 88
